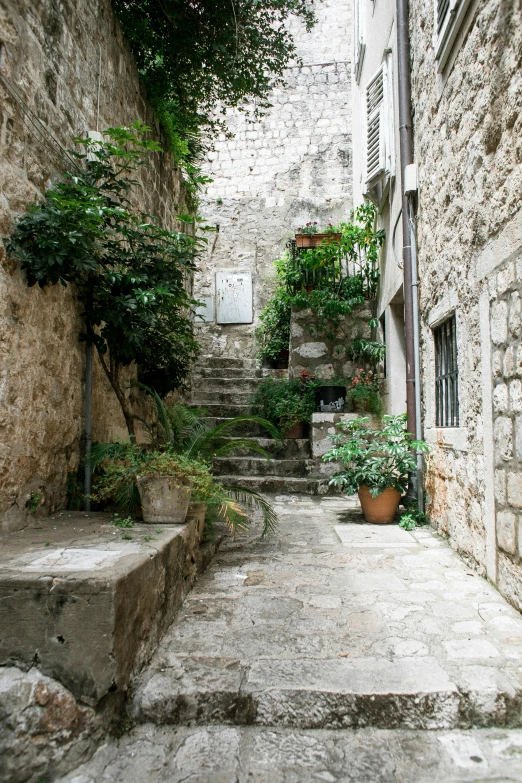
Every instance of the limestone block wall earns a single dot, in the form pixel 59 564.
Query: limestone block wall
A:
pixel 468 145
pixel 49 55
pixel 292 166
pixel 322 350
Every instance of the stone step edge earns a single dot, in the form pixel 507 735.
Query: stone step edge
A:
pixel 317 709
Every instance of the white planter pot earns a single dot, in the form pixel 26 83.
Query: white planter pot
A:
pixel 164 499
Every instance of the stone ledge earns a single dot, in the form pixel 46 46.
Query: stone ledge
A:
pixel 87 606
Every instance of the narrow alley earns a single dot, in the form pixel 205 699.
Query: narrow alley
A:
pixel 335 651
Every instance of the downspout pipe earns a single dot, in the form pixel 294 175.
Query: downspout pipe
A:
pixel 411 323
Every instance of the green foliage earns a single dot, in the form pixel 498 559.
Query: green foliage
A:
pixel 364 392
pixel 183 446
pixel 412 518
pixel 365 349
pixel 130 273
pixel 34 501
pixel 120 522
pixel 332 294
pixel 284 402
pixel 194 57
pixel 377 459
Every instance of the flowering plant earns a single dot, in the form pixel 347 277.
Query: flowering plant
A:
pixel 364 392
pixel 308 229
pixel 366 379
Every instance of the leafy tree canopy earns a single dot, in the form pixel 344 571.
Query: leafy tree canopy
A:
pixel 198 55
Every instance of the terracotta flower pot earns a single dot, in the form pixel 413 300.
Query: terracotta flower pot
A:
pixel 382 509
pixel 314 240
pixel 295 431
pixel 164 499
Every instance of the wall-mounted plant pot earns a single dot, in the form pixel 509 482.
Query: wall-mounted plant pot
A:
pixel 314 240
pixel 330 399
pixel 382 509
pixel 164 499
pixel 295 431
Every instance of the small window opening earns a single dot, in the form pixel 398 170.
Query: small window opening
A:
pixel 446 374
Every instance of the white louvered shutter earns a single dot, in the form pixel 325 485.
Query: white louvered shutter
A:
pixel 375 127
pixel 449 15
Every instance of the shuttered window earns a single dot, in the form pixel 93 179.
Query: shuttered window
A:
pixel 359 47
pixel 375 142
pixel 449 15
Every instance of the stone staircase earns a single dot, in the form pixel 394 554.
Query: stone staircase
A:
pixel 224 385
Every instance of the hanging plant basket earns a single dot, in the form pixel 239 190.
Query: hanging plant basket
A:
pixel 314 240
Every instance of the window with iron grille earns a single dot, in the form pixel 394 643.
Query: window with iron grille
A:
pixel 446 374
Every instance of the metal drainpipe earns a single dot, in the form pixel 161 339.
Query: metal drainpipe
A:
pixel 408 232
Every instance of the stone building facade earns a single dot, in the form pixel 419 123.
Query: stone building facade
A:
pixel 271 176
pixel 468 145
pixel 49 63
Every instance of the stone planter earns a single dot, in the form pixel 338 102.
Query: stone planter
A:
pixel 295 431
pixel 382 509
pixel 330 399
pixel 164 499
pixel 314 240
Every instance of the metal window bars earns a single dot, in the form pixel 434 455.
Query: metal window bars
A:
pixel 446 374
pixel 336 267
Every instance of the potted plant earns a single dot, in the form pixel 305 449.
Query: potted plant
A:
pixel 310 236
pixel 287 404
pixel 330 398
pixel 375 463
pixel 364 392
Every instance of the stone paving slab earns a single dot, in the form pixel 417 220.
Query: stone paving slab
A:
pixel 224 754
pixel 309 629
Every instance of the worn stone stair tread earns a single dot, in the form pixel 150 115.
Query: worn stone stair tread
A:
pixel 296 448
pixel 226 754
pixel 260 466
pixel 279 484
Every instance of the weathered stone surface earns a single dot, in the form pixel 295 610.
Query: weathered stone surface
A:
pixel 221 754
pixel 50 54
pixel 334 624
pixel 273 175
pixel 43 730
pixel 88 605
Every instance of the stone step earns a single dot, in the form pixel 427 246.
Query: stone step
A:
pixel 222 410
pixel 215 395
pixel 220 753
pixel 290 448
pixel 258 466
pixel 244 429
pixel 228 373
pixel 231 385
pixel 311 693
pixel 223 361
pixel 280 485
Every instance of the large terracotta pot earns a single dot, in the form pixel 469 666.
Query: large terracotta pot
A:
pixel 382 509
pixel 295 431
pixel 164 499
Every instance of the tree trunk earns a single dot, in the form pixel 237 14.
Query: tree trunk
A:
pixel 112 374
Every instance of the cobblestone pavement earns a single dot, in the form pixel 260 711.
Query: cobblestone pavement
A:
pixel 335 651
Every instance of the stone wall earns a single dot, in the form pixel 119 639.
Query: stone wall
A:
pixel 322 350
pixel 273 175
pixel 467 136
pixel 49 55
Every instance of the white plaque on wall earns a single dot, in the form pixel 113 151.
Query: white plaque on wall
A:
pixel 234 297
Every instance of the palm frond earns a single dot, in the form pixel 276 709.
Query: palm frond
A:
pixel 252 499
pixel 208 442
pixel 161 413
pixel 102 451
pixel 241 443
pixel 127 496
